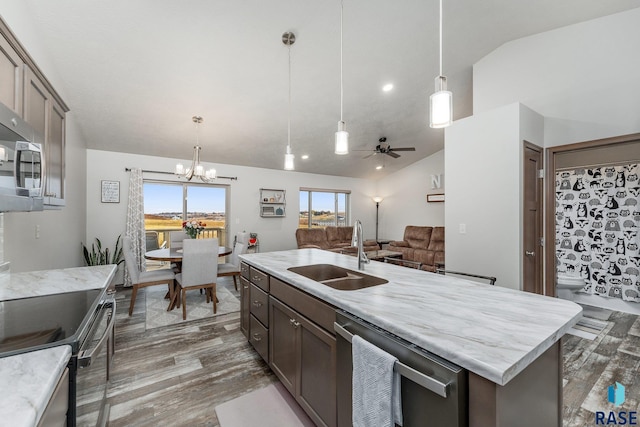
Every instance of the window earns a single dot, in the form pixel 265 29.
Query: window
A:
pixel 320 208
pixel 167 204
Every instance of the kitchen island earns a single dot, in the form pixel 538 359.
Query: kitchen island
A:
pixel 502 337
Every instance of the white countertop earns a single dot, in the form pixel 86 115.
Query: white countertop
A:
pixel 28 381
pixel 47 282
pixel 492 331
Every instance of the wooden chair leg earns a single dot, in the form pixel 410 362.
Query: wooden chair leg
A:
pixel 134 293
pixel 171 285
pixel 235 282
pixel 214 298
pixel 184 304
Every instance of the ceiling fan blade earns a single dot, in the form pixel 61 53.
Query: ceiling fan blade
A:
pixel 372 154
pixel 403 149
pixel 392 154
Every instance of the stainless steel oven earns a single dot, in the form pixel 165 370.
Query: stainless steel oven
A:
pixel 83 320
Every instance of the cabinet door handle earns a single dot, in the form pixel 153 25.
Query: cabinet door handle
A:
pixel 257 303
pixel 257 337
pixel 257 278
pixel 294 323
pixel 246 287
pixel 529 253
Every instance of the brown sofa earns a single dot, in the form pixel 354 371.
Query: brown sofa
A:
pixel 331 238
pixel 423 245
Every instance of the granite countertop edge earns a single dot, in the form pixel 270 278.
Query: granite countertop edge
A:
pixel 28 382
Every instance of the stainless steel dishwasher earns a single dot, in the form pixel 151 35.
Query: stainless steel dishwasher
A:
pixel 434 391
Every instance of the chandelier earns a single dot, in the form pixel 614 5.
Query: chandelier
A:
pixel 196 169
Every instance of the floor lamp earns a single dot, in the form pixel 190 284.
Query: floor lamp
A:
pixel 377 200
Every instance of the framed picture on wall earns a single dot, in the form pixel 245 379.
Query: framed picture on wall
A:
pixel 110 191
pixel 435 197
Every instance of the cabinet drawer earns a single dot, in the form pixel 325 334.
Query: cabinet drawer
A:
pixel 259 279
pixel 317 311
pixel 244 270
pixel 259 338
pixel 260 304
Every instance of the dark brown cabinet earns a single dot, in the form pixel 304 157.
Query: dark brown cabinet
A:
pixel 10 77
pixel 303 356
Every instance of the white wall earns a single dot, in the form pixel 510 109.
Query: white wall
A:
pixel 483 164
pixel 582 78
pixel 405 197
pixel 107 220
pixel 61 231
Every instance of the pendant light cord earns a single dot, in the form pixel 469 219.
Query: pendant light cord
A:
pixel 341 85
pixel 440 37
pixel 289 108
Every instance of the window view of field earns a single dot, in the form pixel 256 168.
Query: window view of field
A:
pixel 163 209
pixel 326 209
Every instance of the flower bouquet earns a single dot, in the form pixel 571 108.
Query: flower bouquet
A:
pixel 193 228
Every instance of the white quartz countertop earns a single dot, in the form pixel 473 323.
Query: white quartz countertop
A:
pixel 492 331
pixel 47 282
pixel 28 381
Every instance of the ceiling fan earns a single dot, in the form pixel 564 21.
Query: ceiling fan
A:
pixel 384 148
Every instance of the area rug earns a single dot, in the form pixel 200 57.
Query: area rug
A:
pixel 197 308
pixel 271 406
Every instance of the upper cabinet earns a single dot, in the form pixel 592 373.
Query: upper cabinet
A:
pixel 25 90
pixel 10 77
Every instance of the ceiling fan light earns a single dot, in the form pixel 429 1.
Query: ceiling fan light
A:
pixel 198 170
pixel 342 139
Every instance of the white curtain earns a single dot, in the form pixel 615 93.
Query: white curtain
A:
pixel 135 221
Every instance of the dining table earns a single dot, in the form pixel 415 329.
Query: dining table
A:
pixel 175 255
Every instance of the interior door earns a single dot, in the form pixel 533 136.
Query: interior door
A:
pixel 532 220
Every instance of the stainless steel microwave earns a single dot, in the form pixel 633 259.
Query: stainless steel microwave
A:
pixel 22 168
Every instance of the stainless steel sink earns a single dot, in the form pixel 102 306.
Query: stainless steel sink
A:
pixel 337 277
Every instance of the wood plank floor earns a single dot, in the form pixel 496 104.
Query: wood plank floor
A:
pixel 177 375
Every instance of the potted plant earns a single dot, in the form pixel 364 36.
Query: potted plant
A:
pixel 99 256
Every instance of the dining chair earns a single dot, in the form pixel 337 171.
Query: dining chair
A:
pixel 199 271
pixel 142 279
pixel 233 268
pixel 176 238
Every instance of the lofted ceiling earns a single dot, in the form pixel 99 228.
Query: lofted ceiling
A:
pixel 135 72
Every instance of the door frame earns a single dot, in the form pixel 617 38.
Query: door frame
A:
pixel 540 282
pixel 549 211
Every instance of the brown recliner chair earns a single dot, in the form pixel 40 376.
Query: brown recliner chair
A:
pixel 422 246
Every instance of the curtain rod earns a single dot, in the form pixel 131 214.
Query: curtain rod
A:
pixel 599 165
pixel 232 178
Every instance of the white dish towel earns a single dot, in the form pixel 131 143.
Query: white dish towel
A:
pixel 376 387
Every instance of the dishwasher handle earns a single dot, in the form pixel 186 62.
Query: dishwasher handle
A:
pixel 431 384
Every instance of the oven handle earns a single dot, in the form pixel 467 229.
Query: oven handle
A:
pixel 84 359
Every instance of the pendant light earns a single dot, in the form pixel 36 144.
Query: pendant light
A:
pixel 441 103
pixel 342 136
pixel 288 39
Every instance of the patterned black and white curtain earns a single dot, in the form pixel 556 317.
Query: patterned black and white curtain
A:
pixel 597 225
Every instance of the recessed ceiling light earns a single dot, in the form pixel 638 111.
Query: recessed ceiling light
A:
pixel 304 156
pixel 387 87
pixel 378 167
